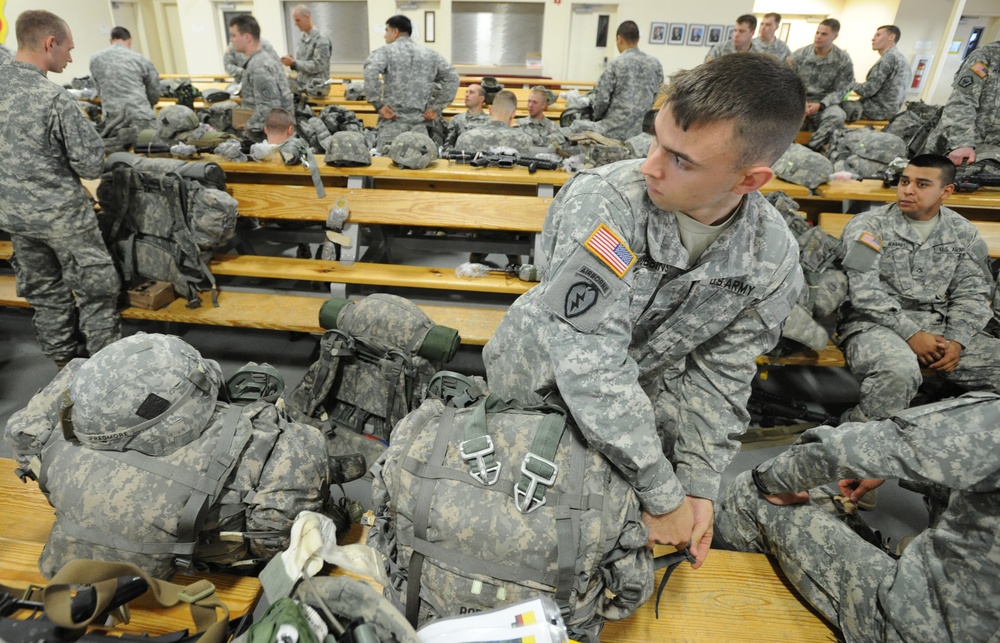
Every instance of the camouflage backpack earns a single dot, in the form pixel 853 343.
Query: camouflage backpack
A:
pixel 163 217
pixel 144 465
pixel 493 504
pixel 914 125
pixel 375 362
pixel 340 119
pixel 865 151
pixel 802 166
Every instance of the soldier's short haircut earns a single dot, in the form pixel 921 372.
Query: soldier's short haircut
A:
pixel 505 100
pixel 833 24
pixel 747 19
pixel 481 91
pixel 776 16
pixel 629 31
pixel 649 122
pixel 278 120
pixel 245 23
pixel 942 163
pixel 120 33
pixel 302 10
pixel 728 89
pixel 35 25
pixel 893 31
pixel 402 23
pixel 541 91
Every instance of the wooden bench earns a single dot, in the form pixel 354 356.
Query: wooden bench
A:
pixel 871 190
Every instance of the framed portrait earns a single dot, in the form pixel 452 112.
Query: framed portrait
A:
pixel 783 31
pixel 429 25
pixel 729 32
pixel 714 35
pixel 677 32
pixel 696 34
pixel 658 33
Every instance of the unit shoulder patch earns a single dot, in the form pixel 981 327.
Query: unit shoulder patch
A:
pixel 964 81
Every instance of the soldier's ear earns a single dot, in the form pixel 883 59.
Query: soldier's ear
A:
pixel 754 178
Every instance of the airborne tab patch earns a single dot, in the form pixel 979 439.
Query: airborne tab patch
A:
pixel 610 249
pixel 870 240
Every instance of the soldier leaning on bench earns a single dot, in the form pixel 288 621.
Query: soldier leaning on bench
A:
pixel 667 278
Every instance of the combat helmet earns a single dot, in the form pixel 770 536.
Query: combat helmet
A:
pixel 413 150
pixel 148 392
pixel 347 149
pixel 175 120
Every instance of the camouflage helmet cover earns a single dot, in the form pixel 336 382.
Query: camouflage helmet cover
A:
pixel 148 392
pixel 347 149
pixel 413 150
pixel 174 120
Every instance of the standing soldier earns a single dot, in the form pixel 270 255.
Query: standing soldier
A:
pixel 971 118
pixel 627 88
pixel 264 85
pixel 126 81
pixel 312 57
pixel 416 83
pixel 62 266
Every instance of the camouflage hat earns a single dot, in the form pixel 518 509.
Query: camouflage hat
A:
pixel 413 150
pixel 347 149
pixel 174 120
pixel 148 392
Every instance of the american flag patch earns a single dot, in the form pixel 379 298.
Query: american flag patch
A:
pixel 870 240
pixel 611 250
pixel 980 69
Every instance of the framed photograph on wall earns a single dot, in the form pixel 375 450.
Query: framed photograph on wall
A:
pixel 714 35
pixel 729 32
pixel 658 33
pixel 783 31
pixel 429 26
pixel 677 32
pixel 696 34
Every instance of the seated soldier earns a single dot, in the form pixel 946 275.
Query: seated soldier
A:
pixel 279 126
pixel 918 288
pixel 471 118
pixel 498 132
pixel 542 130
pixel 943 586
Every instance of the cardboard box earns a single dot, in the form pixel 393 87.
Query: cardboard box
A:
pixel 151 295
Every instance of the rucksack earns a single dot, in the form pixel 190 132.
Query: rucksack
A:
pixel 205 468
pixel 864 151
pixel 914 125
pixel 803 166
pixel 340 119
pixel 375 363
pixel 494 503
pixel 162 218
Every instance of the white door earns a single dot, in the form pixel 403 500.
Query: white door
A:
pixel 585 60
pixel 174 60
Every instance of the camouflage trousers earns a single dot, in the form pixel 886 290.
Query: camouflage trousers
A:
pixel 824 123
pixel 831 566
pixel 72 284
pixel 389 129
pixel 890 373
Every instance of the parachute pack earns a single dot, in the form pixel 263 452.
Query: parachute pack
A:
pixel 864 151
pixel 494 503
pixel 162 218
pixel 375 363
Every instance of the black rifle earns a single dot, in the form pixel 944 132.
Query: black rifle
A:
pixel 458 156
pixel 159 147
pixel 777 409
pixel 484 159
pixel 971 179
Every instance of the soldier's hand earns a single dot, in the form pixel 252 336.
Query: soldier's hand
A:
pixel 387 112
pixel 949 361
pixel 812 108
pixel 926 346
pixel 788 498
pixel 856 489
pixel 701 535
pixel 672 528
pixel 430 114
pixel 961 153
pixel 287 61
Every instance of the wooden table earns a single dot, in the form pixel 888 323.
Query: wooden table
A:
pixel 28 519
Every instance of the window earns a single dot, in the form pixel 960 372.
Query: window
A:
pixel 495 33
pixel 346 24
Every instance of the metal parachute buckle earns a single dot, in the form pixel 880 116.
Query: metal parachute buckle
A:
pixel 525 500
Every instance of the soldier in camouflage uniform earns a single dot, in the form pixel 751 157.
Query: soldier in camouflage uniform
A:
pixel 126 81
pixel 264 85
pixel 918 285
pixel 312 56
pixel 6 55
pixel 827 72
pixel 666 279
pixel 627 88
pixel 971 118
pixel 498 132
pixel 543 131
pixel 768 42
pixel 742 41
pixel 235 62
pixel 408 84
pixel 63 267
pixel 884 89
pixel 471 118
pixel 945 584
